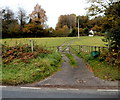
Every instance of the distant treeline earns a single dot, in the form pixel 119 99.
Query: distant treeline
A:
pixel 34 25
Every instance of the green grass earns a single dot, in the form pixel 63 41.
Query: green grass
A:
pixel 87 41
pixel 37 69
pixel 57 41
pixel 51 41
pixel 72 60
pixel 101 69
pixel 91 41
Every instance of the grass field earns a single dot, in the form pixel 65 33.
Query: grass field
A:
pixel 57 41
pixel 53 41
pixel 91 41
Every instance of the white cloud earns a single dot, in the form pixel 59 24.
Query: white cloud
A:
pixel 53 8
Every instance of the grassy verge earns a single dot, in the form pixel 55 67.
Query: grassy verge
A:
pixel 21 66
pixel 72 60
pixel 101 69
pixel 37 69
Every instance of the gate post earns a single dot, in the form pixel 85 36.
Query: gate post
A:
pixel 95 48
pixel 99 49
pixel 58 49
pixel 79 48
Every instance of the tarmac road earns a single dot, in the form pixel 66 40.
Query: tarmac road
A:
pixel 33 92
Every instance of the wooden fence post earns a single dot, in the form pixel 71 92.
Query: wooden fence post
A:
pixel 99 49
pixel 86 49
pixel 95 48
pixel 58 48
pixel 16 43
pixel 31 42
pixel 83 48
pixel 89 49
pixel 79 48
pixel 92 48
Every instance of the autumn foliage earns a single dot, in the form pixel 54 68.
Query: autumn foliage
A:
pixel 23 53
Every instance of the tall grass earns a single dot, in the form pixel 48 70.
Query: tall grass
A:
pixel 100 68
pixel 37 69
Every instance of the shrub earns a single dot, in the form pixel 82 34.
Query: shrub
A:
pixel 23 53
pixel 86 31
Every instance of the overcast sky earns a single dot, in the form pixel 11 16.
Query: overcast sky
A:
pixel 53 8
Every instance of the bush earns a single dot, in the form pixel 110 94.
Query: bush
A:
pixel 86 31
pixel 23 53
pixel 110 57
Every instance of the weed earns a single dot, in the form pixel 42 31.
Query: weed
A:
pixel 72 60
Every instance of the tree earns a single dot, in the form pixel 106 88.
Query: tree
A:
pixel 50 32
pixel 7 14
pixel 33 30
pixel 69 20
pixel 65 30
pixel 111 19
pixel 98 7
pixel 62 32
pixel 36 26
pixel 81 31
pixel 8 20
pixel 21 17
pixel 95 21
pixel 83 21
pixel 86 31
pixel 38 15
pixel 13 30
pixel 74 32
pixel 96 28
pixel 111 23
